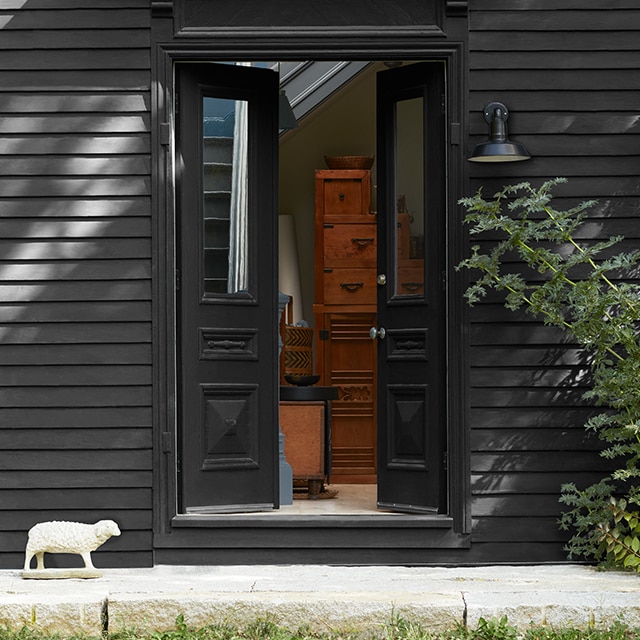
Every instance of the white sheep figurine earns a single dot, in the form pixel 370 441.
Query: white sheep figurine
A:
pixel 67 537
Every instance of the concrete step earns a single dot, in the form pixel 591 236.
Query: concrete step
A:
pixel 324 597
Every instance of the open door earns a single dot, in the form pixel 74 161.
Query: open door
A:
pixel 226 292
pixel 411 288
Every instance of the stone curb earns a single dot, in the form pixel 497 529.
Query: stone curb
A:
pixel 324 598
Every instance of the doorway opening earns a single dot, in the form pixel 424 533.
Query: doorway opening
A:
pixel 370 251
pixel 336 266
pixel 339 252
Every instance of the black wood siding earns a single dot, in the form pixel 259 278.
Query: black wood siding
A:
pixel 75 380
pixel 75 345
pixel 567 71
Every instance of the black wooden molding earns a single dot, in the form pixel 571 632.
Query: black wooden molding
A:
pixel 457 8
pixel 162 9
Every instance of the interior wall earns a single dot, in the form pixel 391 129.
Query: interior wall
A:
pixel 343 125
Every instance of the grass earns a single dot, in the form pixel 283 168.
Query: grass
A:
pixel 397 629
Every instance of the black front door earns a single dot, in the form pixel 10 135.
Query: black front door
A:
pixel 411 294
pixel 226 165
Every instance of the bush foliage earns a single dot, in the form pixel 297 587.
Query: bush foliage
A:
pixel 586 289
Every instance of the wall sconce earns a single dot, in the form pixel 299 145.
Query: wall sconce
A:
pixel 498 148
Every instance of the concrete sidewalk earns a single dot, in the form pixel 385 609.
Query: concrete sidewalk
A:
pixel 325 597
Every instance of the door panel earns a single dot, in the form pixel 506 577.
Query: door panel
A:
pixel 411 297
pixel 226 144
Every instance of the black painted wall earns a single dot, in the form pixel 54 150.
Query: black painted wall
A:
pixel 75 394
pixel 75 275
pixel 568 73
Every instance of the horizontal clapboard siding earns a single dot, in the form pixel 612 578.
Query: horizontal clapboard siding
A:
pixel 567 71
pixel 75 272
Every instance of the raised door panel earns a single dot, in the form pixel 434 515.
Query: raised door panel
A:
pixel 198 15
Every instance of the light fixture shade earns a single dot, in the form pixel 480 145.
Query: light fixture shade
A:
pixel 286 117
pixel 498 148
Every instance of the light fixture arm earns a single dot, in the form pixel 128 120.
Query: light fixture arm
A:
pixel 496 114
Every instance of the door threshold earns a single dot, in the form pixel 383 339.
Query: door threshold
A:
pixel 279 519
pixel 348 503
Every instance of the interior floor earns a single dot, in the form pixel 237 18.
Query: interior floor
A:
pixel 345 499
pixel 349 499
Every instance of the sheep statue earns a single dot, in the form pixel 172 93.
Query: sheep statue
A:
pixel 66 537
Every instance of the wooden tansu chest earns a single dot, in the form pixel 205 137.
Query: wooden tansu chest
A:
pixel 345 310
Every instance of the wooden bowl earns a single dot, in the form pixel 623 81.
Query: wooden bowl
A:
pixel 349 162
pixel 301 381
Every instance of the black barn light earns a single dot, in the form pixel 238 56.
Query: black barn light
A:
pixel 498 148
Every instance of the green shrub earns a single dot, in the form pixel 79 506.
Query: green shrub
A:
pixel 571 285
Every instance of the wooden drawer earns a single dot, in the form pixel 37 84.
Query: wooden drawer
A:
pixel 343 192
pixel 350 245
pixel 343 196
pixel 411 279
pixel 350 286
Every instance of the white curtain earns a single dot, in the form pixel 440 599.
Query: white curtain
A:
pixel 239 201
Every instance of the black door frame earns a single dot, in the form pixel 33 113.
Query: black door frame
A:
pixel 382 46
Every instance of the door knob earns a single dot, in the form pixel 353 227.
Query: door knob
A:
pixel 377 332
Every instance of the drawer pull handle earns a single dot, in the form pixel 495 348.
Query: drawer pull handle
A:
pixel 412 286
pixel 227 345
pixel 351 286
pixel 362 242
pixel 341 197
pixel 410 345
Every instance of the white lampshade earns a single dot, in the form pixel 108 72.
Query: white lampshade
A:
pixel 289 270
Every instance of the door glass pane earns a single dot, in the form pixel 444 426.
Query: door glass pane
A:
pixel 224 182
pixel 409 190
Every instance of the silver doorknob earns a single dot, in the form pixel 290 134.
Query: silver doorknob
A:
pixel 377 332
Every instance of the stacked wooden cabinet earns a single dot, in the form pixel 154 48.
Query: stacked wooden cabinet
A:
pixel 345 310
